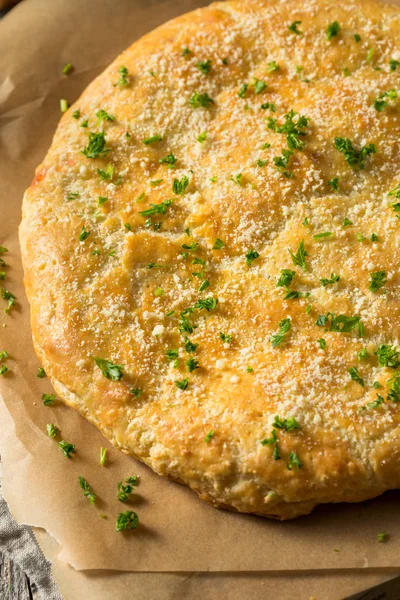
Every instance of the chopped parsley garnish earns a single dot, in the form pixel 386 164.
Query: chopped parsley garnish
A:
pixel 84 234
pixel 102 200
pixel 102 115
pixel 203 100
pixel 204 66
pixel 284 328
pixel 396 208
pixel 322 343
pixel 41 373
pixel 85 124
pixel 202 137
pixel 270 441
pixel 243 90
pixel 103 456
pixel 109 369
pixel 251 256
pixel 135 392
pixel 90 495
pixel 156 209
pixel 382 101
pixel 108 174
pixel 357 37
pixel 355 376
pixel 294 461
pixel 3 370
pixel 152 139
pixel 205 284
pixel 287 424
pixel 6 295
pixel 388 356
pixel 190 346
pixel 333 279
pixel 128 226
pixel 96 146
pixel 207 303
pixel 333 30
pixel 126 520
pixel 3 355
pixel 225 337
pixel 293 295
pixel 394 388
pixel 169 160
pixel 281 162
pixel 123 79
pixel 379 400
pixel 259 85
pixel 299 259
pixel 125 488
pixel 382 537
pixel 276 455
pixel 347 222
pixel 352 156
pixel 261 163
pixel 346 72
pixel 192 364
pixel 294 27
pixel 378 280
pixel 271 106
pixel 49 399
pixel 299 71
pixel 237 179
pixel 393 64
pixel 374 237
pixel 209 436
pixel 67 448
pixel 182 385
pixel 293 129
pixel 363 354
pixel 360 237
pixel 341 323
pixel 156 182
pixel 67 69
pixel 370 54
pixel 72 196
pixel 140 198
pixel 272 66
pixel 179 186
pixel 321 236
pixel 218 244
pixel 334 183
pixel 194 246
pixel 186 52
pixel 285 278
pixel 52 430
pixel 64 105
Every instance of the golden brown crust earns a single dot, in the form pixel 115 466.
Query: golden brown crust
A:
pixel 119 292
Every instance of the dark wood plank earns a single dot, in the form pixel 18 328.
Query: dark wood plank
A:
pixel 14 584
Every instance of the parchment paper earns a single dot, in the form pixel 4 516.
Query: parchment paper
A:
pixel 178 532
pixel 103 585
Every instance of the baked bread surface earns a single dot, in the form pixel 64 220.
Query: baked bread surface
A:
pixel 282 409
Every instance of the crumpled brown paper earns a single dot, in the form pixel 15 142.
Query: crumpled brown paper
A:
pixel 178 532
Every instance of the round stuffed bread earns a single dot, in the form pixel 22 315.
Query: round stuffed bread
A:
pixel 211 253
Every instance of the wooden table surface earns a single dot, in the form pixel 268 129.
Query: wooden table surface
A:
pixel 14 584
